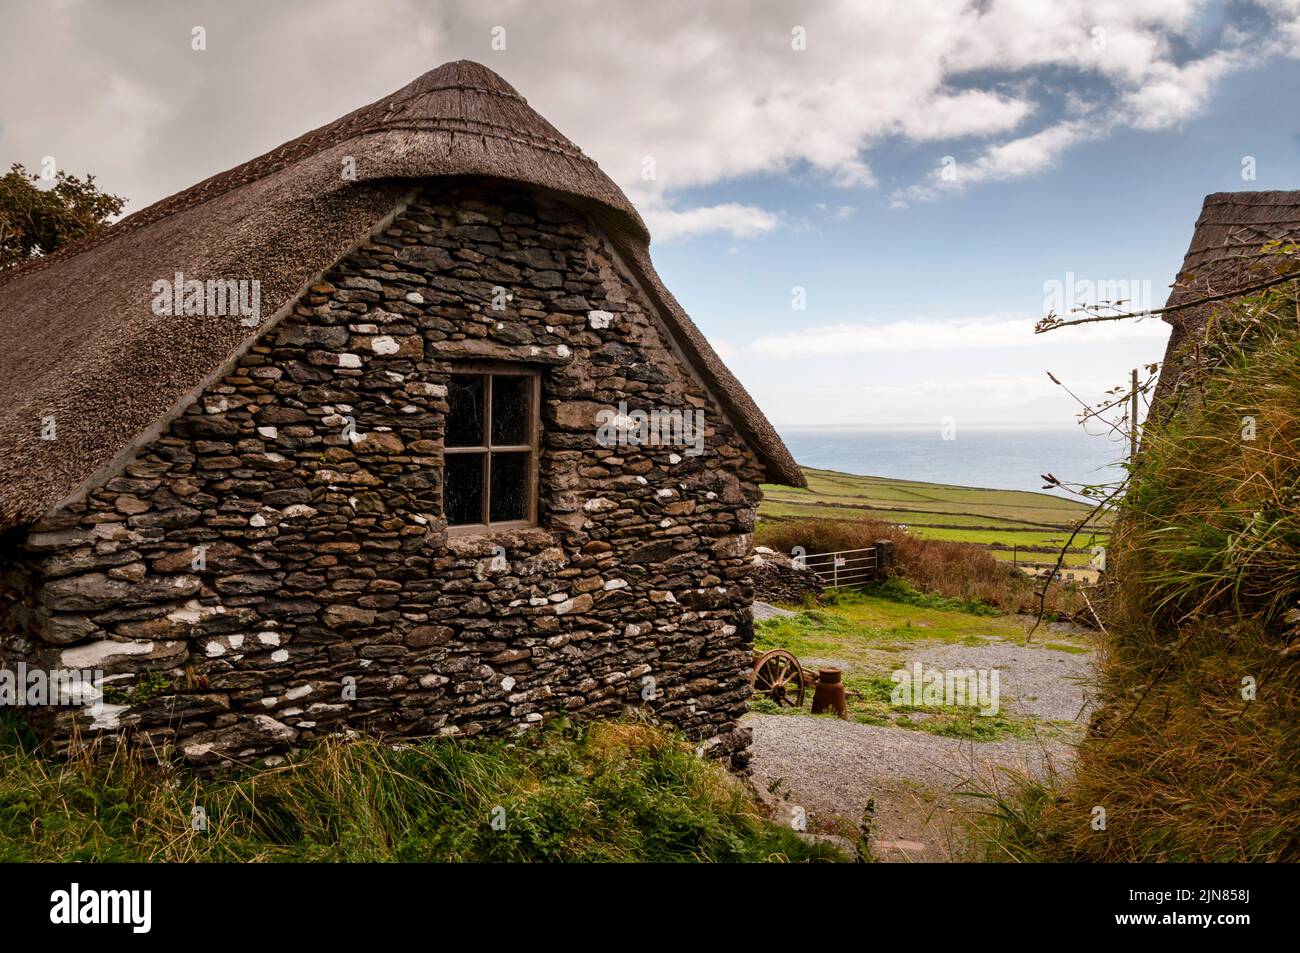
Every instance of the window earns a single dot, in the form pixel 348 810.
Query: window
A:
pixel 490 449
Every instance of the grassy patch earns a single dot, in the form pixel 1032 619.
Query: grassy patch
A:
pixel 607 791
pixel 864 633
pixel 1067 647
pixel 854 489
pixel 869 703
pixel 896 590
pixel 852 625
pixel 147 686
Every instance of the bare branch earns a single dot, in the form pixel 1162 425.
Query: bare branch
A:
pixel 1051 322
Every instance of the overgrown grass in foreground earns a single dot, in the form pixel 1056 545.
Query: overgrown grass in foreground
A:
pixel 606 791
pixel 1196 755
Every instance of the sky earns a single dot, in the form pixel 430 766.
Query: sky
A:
pixel 864 205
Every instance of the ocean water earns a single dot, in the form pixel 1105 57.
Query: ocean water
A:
pixel 1000 458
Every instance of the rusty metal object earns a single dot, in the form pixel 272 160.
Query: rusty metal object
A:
pixel 779 676
pixel 829 695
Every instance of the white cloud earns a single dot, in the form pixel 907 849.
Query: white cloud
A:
pixel 961 334
pixel 740 221
pixel 131 113
pixel 1027 155
pixel 995 392
pixel 1287 13
pixel 972 112
pixel 836 213
pixel 714 93
pixel 1171 94
pixel 1000 397
pixel 1128 45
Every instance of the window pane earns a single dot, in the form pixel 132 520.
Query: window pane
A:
pixel 511 485
pixel 511 397
pixel 462 491
pixel 465 413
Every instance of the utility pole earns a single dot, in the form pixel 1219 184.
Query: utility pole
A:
pixel 1133 420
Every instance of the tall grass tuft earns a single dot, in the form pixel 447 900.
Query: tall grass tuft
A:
pixel 606 791
pixel 1196 754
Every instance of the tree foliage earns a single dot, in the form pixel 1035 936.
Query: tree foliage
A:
pixel 35 221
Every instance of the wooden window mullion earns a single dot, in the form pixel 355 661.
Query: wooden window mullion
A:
pixel 488 449
pixel 534 426
pixel 487 456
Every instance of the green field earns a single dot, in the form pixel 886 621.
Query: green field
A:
pixel 869 637
pixel 1034 524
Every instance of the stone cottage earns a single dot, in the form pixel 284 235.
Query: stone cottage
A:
pixel 393 428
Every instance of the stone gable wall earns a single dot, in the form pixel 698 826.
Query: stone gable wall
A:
pixel 258 576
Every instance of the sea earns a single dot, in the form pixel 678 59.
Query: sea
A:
pixel 991 457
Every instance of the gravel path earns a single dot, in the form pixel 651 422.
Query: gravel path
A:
pixel 918 781
pixel 1033 680
pixel 830 768
pixel 763 610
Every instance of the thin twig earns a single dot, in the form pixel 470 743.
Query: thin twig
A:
pixel 1060 557
pixel 1044 325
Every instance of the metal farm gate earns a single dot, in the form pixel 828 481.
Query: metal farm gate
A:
pixel 851 567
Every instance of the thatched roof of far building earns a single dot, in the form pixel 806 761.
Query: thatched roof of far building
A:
pixel 83 345
pixel 1226 253
pixel 1227 258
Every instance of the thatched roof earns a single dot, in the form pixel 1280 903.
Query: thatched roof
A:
pixel 84 347
pixel 1225 257
pixel 1225 253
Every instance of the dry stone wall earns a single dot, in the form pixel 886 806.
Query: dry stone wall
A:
pixel 276 566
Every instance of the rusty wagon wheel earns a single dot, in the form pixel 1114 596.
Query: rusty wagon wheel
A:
pixel 779 676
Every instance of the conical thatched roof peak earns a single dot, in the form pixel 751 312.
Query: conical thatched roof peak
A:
pixel 84 347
